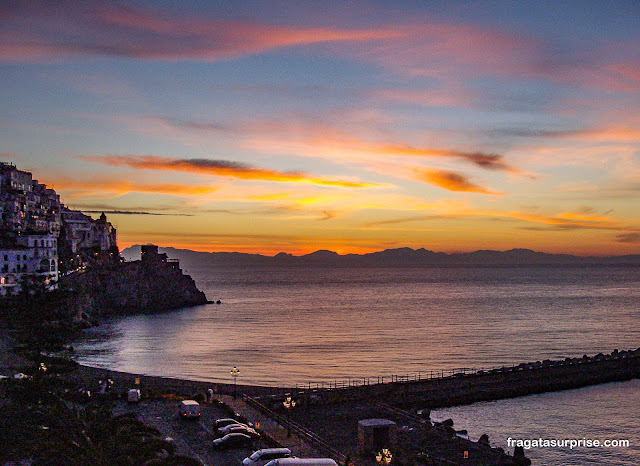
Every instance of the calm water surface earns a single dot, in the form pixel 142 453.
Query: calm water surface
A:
pixel 296 325
pixel 609 411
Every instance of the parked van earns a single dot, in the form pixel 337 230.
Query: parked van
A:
pixel 189 409
pixel 133 395
pixel 262 457
pixel 302 462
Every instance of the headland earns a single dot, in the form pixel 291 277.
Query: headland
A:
pixel 152 284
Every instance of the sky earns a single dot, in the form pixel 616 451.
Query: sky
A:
pixel 353 126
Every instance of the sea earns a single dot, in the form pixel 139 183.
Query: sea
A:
pixel 287 326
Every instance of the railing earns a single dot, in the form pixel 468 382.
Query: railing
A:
pixel 304 434
pixel 421 376
pixel 363 381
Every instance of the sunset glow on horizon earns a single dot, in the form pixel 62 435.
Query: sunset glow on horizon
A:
pixel 293 126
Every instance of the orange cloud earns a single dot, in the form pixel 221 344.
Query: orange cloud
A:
pixel 570 221
pixel 632 238
pixel 218 168
pixel 323 140
pixel 489 161
pixel 451 181
pixel 560 221
pixel 77 188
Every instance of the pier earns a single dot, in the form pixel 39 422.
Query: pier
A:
pixel 459 387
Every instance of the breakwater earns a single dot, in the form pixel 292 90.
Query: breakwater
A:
pixel 461 388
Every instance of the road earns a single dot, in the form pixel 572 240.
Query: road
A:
pixel 192 437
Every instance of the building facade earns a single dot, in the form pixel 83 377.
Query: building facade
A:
pixel 35 226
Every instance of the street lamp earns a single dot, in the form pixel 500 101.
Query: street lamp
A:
pixel 289 403
pixel 234 373
pixel 384 456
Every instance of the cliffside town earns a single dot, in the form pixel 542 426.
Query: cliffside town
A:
pixel 40 236
pixel 43 240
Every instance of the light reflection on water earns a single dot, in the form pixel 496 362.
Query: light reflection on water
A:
pixel 288 326
pixel 294 325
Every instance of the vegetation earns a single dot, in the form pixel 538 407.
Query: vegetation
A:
pixel 41 321
pixel 46 418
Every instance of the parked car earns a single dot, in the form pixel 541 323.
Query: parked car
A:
pixel 133 395
pixel 189 409
pixel 227 429
pixel 233 429
pixel 224 422
pixel 302 462
pixel 262 457
pixel 236 440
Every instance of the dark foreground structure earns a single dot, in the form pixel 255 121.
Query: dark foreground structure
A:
pixel 333 415
pixel 358 422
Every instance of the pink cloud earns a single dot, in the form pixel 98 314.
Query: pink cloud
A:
pixel 38 30
pixel 456 96
pixel 45 30
pixel 455 52
pixel 436 49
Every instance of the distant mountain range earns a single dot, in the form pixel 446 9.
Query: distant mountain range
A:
pixel 401 257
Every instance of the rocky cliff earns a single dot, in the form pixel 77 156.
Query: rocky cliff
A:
pixel 133 287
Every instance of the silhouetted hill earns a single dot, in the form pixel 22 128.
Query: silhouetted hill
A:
pixel 401 257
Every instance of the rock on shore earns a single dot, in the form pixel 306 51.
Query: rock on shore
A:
pixel 134 287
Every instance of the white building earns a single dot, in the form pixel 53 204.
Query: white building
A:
pixel 34 254
pixel 83 232
pixel 45 253
pixel 31 220
pixel 78 228
pixel 14 261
